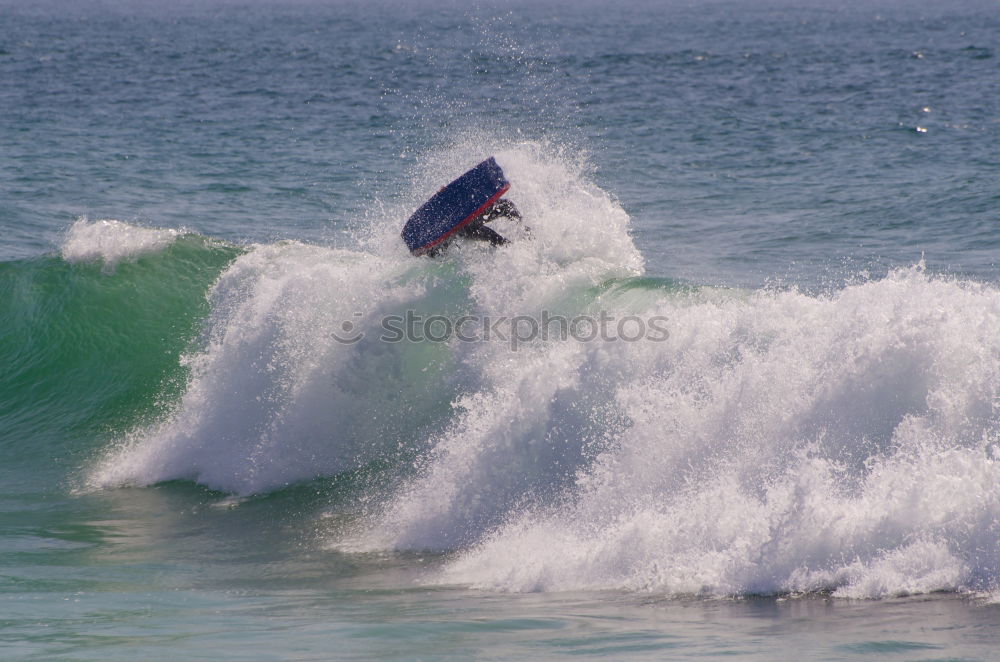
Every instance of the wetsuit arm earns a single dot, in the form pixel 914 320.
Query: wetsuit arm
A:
pixel 502 207
pixel 479 231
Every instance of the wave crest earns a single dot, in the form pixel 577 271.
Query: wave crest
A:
pixel 113 242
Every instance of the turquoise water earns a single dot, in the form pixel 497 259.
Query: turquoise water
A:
pixel 199 202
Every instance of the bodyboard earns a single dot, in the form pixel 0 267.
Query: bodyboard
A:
pixel 454 207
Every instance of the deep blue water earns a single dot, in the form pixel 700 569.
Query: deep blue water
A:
pixel 192 196
pixel 792 132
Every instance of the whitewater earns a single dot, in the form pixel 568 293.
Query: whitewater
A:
pixel 776 442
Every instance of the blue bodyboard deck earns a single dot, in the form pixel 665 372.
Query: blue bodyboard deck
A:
pixel 454 207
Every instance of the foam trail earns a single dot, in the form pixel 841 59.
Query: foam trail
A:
pixel 113 241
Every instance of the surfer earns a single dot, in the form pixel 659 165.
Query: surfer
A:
pixel 462 209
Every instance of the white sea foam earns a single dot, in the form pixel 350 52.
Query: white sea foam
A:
pixel 777 441
pixel 113 241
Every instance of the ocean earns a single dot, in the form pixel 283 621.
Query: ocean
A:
pixel 736 393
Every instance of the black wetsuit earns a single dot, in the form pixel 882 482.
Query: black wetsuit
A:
pixel 477 229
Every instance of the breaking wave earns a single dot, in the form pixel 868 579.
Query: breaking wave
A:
pixel 776 441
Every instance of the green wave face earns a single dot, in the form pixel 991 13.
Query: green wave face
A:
pixel 87 351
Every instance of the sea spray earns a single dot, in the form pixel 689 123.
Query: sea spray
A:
pixel 276 396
